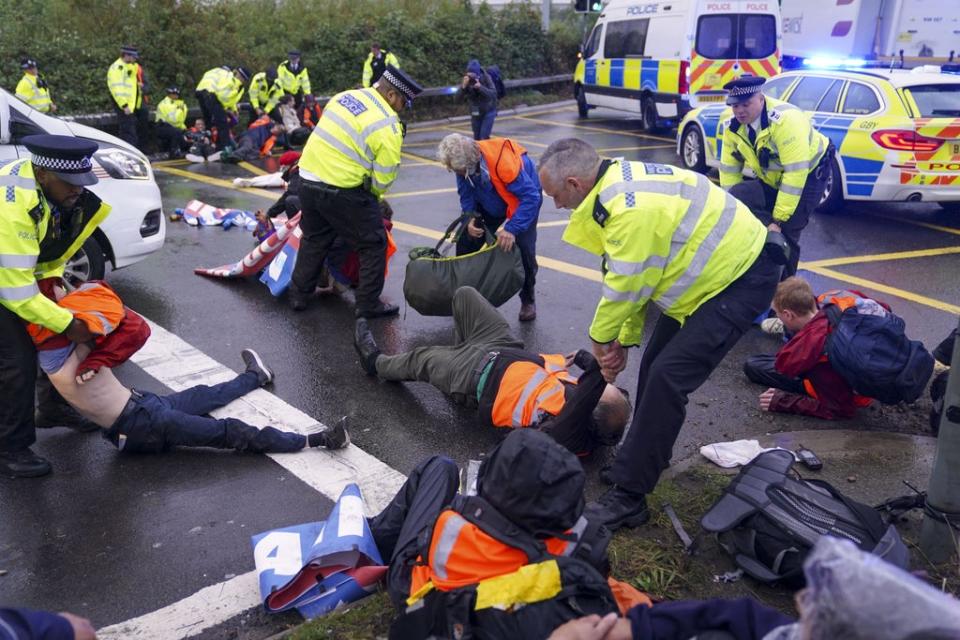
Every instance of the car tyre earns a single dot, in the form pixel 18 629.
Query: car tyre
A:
pixel 649 110
pixel 88 263
pixel 692 152
pixel 583 109
pixel 832 200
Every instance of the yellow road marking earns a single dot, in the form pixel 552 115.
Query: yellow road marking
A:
pixel 917 223
pixel 420 159
pixel 217 182
pixel 648 146
pixel 252 168
pixel 170 163
pixel 877 286
pixel 880 257
pixel 425 192
pixel 590 128
pixel 524 141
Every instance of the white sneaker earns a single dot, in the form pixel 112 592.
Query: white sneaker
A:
pixel 241 182
pixel 772 326
pixel 214 157
pixel 192 157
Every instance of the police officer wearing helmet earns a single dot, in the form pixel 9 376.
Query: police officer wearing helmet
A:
pixel 33 89
pixel 790 158
pixel 46 214
pixel 348 164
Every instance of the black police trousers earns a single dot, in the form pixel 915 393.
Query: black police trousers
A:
pixel 18 376
pixel 214 116
pixel 676 361
pixel 352 214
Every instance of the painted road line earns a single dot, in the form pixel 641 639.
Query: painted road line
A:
pixel 590 128
pixel 421 160
pixel 917 223
pixel 252 168
pixel 638 148
pixel 882 257
pixel 170 163
pixel 524 141
pixel 877 286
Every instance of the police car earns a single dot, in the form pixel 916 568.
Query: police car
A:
pixel 897 132
pixel 135 227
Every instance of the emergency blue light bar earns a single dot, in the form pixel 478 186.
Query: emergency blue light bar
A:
pixel 826 62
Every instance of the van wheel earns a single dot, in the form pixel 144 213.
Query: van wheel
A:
pixel 649 109
pixel 692 152
pixel 832 199
pixel 583 109
pixel 88 263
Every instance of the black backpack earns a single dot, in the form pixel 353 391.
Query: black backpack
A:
pixel 494 72
pixel 769 521
pixel 875 356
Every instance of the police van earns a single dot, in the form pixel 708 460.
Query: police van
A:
pixel 661 59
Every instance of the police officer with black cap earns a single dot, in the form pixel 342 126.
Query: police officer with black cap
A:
pixel 46 213
pixel 789 157
pixel 348 164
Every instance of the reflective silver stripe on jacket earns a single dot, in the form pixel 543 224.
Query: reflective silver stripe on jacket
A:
pixel 528 389
pixel 329 138
pixel 577 530
pixel 445 543
pixel 17 261
pixel 628 268
pixel 793 191
pixel 25 292
pixel 18 181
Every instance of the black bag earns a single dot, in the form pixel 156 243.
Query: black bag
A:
pixel 497 78
pixel 769 521
pixel 432 278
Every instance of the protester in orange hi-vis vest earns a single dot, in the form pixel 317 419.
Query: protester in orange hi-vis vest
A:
pixel 512 388
pixel 498 184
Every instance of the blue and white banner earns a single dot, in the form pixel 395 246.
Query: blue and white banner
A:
pixel 320 566
pixel 278 273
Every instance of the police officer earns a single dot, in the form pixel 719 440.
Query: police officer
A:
pixel 376 63
pixel 670 237
pixel 294 77
pixel 790 158
pixel 33 89
pixel 265 94
pixel 125 82
pixel 348 164
pixel 46 214
pixel 218 92
pixel 172 123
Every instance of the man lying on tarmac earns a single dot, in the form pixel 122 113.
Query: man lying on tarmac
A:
pixel 488 367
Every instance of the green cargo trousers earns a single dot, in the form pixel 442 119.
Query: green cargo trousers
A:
pixel 478 330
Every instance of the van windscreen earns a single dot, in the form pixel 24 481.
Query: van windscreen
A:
pixel 736 36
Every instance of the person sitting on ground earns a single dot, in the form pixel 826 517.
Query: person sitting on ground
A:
pixel 799 376
pixel 487 367
pixel 310 112
pixel 172 123
pixel 200 141
pixel 256 142
pixel 135 421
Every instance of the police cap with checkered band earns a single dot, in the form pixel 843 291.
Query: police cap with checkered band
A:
pixel 66 156
pixel 402 82
pixel 743 88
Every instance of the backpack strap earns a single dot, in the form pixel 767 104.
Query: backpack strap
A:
pixel 481 513
pixel 867 517
pixel 833 313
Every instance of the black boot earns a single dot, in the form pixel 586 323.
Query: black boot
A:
pixel 23 464
pixel 381 310
pixel 618 508
pixel 366 346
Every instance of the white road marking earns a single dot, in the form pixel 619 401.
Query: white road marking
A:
pixel 178 365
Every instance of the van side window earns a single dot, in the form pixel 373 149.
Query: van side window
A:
pixel 860 100
pixel 626 39
pixel 809 91
pixel 593 42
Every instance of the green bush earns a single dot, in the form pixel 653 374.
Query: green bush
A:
pixel 180 39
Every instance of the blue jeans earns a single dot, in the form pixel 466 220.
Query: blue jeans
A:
pixel 483 125
pixel 151 423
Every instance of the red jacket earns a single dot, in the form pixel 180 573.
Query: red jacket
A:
pixel 828 394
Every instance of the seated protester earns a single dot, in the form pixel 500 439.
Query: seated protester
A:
pixel 256 142
pixel 137 421
pixel 288 114
pixel 513 388
pixel 505 563
pixel 200 141
pixel 310 112
pixel 800 377
pixel 172 123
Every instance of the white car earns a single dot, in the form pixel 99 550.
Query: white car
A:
pixel 135 227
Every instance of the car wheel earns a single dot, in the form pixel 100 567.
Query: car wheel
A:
pixel 952 208
pixel 649 109
pixel 692 152
pixel 88 263
pixel 832 199
pixel 583 109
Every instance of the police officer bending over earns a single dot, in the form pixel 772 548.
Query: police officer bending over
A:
pixel 790 158
pixel 348 164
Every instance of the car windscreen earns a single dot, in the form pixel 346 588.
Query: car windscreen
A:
pixel 736 36
pixel 936 100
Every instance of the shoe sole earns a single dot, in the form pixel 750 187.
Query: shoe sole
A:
pixel 33 474
pixel 259 362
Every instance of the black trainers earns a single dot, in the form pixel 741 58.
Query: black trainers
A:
pixel 618 508
pixel 255 363
pixel 336 437
pixel 23 464
pixel 366 346
pixel 382 310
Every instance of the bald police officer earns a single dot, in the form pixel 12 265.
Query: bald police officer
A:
pixel 790 158
pixel 46 213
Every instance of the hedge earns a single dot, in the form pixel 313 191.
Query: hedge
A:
pixel 179 40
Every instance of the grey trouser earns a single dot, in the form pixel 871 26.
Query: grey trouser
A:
pixel 478 330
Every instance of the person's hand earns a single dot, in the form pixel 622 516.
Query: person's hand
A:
pixel 53 107
pixel 474 230
pixel 82 628
pixel 766 398
pixel 591 627
pixel 612 358
pixel 77 331
pixel 126 111
pixel 773 226
pixel 466 82
pixel 569 358
pixel 505 239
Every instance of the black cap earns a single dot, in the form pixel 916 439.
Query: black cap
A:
pixel 404 83
pixel 27 63
pixel 244 73
pixel 293 52
pixel 175 90
pixel 130 50
pixel 743 88
pixel 66 156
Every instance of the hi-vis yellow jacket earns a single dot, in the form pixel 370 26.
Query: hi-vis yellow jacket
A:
pixel 666 235
pixel 795 149
pixel 124 84
pixel 222 83
pixel 35 92
pixel 293 82
pixel 358 136
pixel 32 249
pixel 264 95
pixel 388 58
pixel 173 112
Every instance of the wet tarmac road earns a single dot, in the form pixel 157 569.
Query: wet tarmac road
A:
pixel 114 537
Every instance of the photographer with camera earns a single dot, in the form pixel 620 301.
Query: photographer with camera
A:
pixel 479 90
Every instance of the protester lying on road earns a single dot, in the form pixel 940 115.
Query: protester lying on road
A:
pixel 487 367
pixel 256 142
pixel 799 376
pixel 275 180
pixel 27 624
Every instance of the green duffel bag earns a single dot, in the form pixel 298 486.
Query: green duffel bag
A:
pixel 432 278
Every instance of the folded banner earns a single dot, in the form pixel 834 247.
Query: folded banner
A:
pixel 320 566
pixel 257 259
pixel 198 213
pixel 277 275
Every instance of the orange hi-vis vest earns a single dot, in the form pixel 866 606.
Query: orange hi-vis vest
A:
pixel 93 303
pixel 504 159
pixel 462 554
pixel 527 391
pixel 267 147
